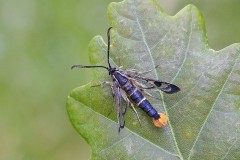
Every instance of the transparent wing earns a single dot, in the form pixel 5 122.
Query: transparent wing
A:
pixel 120 110
pixel 151 83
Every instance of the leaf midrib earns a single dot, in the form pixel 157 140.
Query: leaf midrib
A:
pixel 156 74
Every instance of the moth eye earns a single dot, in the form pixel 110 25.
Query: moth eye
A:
pixel 158 84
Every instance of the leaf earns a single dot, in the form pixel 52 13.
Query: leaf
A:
pixel 204 117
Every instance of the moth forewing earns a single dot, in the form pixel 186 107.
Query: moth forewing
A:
pixel 166 87
pixel 152 83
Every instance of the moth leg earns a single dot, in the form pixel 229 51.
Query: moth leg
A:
pixel 133 71
pixel 145 72
pixel 124 96
pixel 148 94
pixel 137 72
pixel 120 67
pixel 102 84
pixel 132 105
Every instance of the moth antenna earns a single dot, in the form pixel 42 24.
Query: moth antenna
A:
pixel 108 35
pixel 81 66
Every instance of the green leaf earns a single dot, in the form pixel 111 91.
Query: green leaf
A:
pixel 204 117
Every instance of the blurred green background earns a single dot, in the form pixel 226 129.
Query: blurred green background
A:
pixel 39 41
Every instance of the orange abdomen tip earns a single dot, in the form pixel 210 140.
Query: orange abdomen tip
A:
pixel 162 121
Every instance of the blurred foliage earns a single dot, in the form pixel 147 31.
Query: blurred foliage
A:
pixel 221 19
pixel 39 41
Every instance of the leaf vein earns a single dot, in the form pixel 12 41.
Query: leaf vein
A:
pixel 150 54
pixel 217 97
pixel 224 157
pixel 117 142
pixel 187 49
